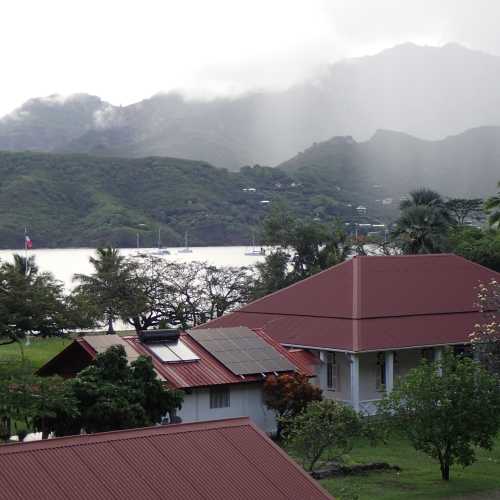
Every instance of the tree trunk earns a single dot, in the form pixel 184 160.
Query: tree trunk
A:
pixel 445 470
pixel 111 330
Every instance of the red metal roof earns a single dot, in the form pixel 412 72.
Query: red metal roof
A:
pixel 371 303
pixel 208 370
pixel 226 459
pixel 204 372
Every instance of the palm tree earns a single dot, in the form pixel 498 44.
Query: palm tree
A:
pixel 22 265
pixel 421 230
pixel 492 207
pixel 423 223
pixel 424 197
pixel 105 288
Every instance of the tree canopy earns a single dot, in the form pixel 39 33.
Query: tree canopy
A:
pixel 31 302
pixel 446 409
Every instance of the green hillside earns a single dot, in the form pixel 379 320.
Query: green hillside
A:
pixel 78 200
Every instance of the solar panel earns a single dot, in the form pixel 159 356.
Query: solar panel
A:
pixel 173 352
pixel 241 350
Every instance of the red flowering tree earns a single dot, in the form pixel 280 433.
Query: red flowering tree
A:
pixel 287 395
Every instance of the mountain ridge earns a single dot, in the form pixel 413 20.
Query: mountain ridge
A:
pixel 428 92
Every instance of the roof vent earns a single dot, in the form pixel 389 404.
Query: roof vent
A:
pixel 152 336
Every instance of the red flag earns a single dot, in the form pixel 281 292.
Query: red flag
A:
pixel 27 242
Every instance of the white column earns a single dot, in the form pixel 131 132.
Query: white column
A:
pixel 438 356
pixel 438 353
pixel 389 371
pixel 354 366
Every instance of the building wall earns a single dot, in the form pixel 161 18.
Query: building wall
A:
pixel 246 400
pixel 406 360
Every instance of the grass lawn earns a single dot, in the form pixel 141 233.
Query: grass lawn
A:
pixel 38 352
pixel 420 476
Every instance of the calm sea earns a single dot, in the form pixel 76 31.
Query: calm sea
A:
pixel 64 263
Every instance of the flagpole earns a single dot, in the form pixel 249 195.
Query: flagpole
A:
pixel 26 271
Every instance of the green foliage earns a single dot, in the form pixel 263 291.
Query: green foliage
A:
pixel 29 403
pixel 30 302
pixel 418 478
pixel 110 290
pixel 185 294
pixel 300 249
pixel 114 395
pixel 462 208
pixel 423 223
pixel 446 409
pixel 287 395
pixel 322 426
pixel 492 207
pixel 481 246
pixel 78 200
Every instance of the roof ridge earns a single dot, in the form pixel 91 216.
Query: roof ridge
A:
pixel 43 444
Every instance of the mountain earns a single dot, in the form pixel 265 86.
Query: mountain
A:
pixel 80 200
pixel 428 92
pixel 390 164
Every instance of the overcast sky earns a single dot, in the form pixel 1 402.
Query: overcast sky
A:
pixel 127 50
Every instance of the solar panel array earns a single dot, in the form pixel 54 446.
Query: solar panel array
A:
pixel 241 350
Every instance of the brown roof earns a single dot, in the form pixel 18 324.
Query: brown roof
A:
pixel 371 303
pixel 228 459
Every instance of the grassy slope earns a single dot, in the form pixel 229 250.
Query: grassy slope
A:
pixel 420 476
pixel 38 353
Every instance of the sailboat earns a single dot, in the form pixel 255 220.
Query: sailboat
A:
pixel 255 252
pixel 138 254
pixel 160 250
pixel 186 248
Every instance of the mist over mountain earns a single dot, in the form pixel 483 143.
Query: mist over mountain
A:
pixel 427 92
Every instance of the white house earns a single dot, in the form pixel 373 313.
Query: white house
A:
pixel 221 371
pixel 371 319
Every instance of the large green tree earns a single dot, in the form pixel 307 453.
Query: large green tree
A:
pixel 185 294
pixel 109 290
pixel 300 248
pixel 31 302
pixel 113 394
pixel 446 409
pixel 423 223
pixel 462 208
pixel 479 245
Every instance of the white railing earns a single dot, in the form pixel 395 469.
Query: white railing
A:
pixel 368 406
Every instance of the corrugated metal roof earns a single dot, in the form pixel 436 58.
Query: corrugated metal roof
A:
pixel 369 303
pixel 228 459
pixel 101 343
pixel 208 370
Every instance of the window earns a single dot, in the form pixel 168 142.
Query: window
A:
pixel 332 379
pixel 380 376
pixel 219 397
